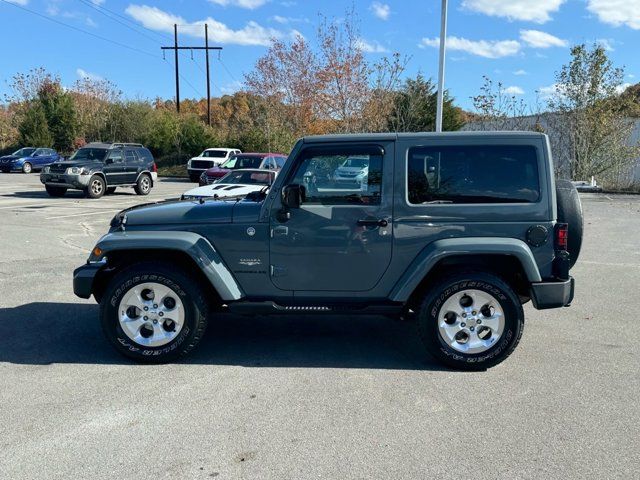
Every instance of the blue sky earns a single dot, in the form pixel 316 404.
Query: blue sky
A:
pixel 520 43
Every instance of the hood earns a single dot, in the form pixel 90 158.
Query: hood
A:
pixel 179 212
pixel 352 169
pixel 9 157
pixel 216 169
pixel 223 190
pixel 79 163
pixel 174 212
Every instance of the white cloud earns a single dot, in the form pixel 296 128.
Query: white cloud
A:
pixel 91 76
pixel 622 88
pixel 155 19
pixel 513 90
pixel 482 48
pixel 606 43
pixel 249 4
pixel 534 11
pixel 380 10
pixel 97 2
pixel 90 22
pixel 617 12
pixel 547 92
pixel 371 47
pixel 284 20
pixel 231 88
pixel 19 2
pixel 631 75
pixel 538 39
pixel 521 72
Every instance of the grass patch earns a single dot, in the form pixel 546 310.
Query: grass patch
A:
pixel 173 171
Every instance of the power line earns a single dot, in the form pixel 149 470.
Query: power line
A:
pixel 164 36
pixel 228 71
pixel 101 10
pixel 79 29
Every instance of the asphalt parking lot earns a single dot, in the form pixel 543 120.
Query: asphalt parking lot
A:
pixel 308 397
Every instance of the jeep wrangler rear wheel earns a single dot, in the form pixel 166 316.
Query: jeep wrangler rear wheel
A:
pixel 153 312
pixel 471 321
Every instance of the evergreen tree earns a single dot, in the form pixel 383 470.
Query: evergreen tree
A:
pixel 33 129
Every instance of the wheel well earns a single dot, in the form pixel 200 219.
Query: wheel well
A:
pixel 506 267
pixel 120 259
pixel 101 175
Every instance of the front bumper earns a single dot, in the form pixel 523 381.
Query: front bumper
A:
pixel 83 278
pixel 64 180
pixel 554 294
pixel 10 167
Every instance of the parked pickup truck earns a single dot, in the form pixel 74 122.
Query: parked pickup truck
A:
pixel 455 231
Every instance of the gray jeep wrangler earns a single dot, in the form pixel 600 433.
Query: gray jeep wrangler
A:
pixel 454 231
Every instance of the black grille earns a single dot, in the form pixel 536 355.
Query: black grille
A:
pixel 57 168
pixel 201 164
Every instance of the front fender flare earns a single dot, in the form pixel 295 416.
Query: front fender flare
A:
pixel 448 247
pixel 196 246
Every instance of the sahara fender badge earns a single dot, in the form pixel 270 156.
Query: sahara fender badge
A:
pixel 251 231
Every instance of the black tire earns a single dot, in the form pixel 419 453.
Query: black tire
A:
pixel 570 212
pixel 55 191
pixel 96 188
pixel 110 190
pixel 143 185
pixel 189 292
pixel 27 167
pixel 429 310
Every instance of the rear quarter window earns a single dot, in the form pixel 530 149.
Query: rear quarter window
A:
pixel 473 174
pixel 145 155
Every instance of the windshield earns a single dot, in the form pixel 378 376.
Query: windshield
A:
pixel 214 154
pixel 356 163
pixel 243 161
pixel 248 178
pixel 89 154
pixel 24 152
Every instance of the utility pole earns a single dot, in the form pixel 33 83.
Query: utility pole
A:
pixel 443 40
pixel 206 48
pixel 175 45
pixel 206 51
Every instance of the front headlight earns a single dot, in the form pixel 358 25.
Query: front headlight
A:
pixel 77 171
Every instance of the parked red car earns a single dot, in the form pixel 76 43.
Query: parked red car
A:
pixel 271 161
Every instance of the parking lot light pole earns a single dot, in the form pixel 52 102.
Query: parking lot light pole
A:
pixel 443 41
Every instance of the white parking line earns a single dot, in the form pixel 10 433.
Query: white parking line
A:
pixel 105 212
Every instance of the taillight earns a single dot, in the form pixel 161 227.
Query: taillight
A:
pixel 562 236
pixel 154 167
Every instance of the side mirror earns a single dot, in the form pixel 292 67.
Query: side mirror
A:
pixel 293 196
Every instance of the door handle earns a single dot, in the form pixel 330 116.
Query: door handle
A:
pixel 373 222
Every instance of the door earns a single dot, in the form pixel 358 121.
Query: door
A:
pixel 132 166
pixel 114 167
pixel 340 238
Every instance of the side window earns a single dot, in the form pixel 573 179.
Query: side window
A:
pixel 144 154
pixel 130 156
pixel 337 176
pixel 116 155
pixel 473 174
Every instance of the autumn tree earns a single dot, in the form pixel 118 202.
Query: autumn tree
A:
pixel 93 99
pixel 59 110
pixel 594 115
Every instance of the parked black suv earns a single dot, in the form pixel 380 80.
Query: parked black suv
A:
pixel 99 168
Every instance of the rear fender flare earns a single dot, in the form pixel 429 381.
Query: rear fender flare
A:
pixel 440 249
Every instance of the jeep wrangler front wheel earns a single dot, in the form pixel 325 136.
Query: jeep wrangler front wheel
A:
pixel 153 313
pixel 471 321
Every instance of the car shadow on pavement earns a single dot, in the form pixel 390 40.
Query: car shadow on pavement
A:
pixel 43 194
pixel 46 333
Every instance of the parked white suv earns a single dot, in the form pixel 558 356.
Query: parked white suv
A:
pixel 207 159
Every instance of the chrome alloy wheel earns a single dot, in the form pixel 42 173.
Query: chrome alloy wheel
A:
pixel 96 186
pixel 471 321
pixel 151 314
pixel 145 184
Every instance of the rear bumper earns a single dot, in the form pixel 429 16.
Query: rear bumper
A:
pixel 552 294
pixel 83 278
